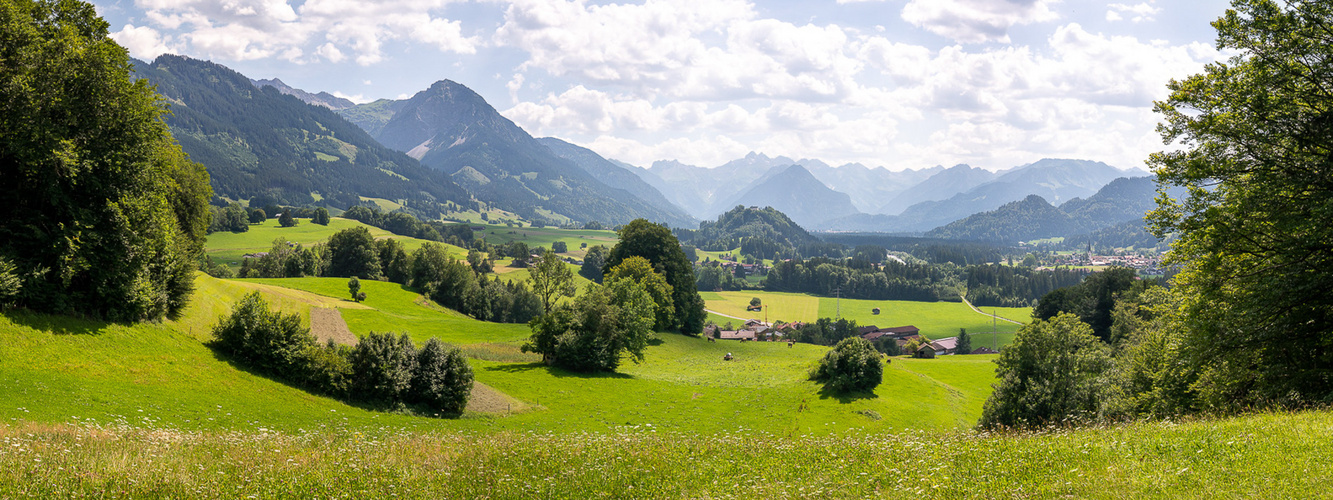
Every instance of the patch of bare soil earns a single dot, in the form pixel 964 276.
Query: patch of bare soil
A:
pixel 327 323
pixel 486 399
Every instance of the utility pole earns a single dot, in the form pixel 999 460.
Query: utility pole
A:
pixel 837 292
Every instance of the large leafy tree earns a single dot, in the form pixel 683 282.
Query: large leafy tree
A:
pixel 851 366
pixel 353 252
pixel 551 279
pixel 1256 227
pixel 1052 372
pixel 656 244
pixel 100 210
pixel 641 271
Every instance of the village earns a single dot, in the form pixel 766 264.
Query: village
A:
pixel 908 338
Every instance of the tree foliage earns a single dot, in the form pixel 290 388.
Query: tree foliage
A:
pixel 443 379
pixel 1052 372
pixel 597 329
pixel 656 244
pixel 1256 228
pixel 101 212
pixel 352 252
pixel 383 365
pixel 269 341
pixel 642 272
pixel 851 366
pixel 551 279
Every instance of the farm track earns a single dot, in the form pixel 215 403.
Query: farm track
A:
pixel 978 311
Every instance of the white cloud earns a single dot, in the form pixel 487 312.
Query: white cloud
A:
pixel 329 29
pixel 1138 12
pixel 976 21
pixel 141 41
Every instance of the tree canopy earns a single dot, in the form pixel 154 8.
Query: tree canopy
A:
pixel 656 244
pixel 1256 227
pixel 101 212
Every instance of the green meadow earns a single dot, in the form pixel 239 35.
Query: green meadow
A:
pixel 545 236
pixel 935 319
pixel 227 247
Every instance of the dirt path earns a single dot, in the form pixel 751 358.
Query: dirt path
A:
pixel 327 323
pixel 488 400
pixel 732 317
pixel 978 311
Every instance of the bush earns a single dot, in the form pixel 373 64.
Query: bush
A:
pixel 320 217
pixel 268 341
pixel 1051 372
pixel 852 366
pixel 443 379
pixel 595 331
pixel 382 367
pixel 328 369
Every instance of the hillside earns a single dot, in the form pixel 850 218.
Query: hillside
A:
pixel 943 185
pixel 450 128
pixel 1029 219
pixel 742 223
pixel 798 194
pixel 613 174
pixel 259 141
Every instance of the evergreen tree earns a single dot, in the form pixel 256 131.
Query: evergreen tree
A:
pixel 964 345
pixel 286 219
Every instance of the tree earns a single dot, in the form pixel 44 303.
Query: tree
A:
pixel 354 287
pixel 101 212
pixel 656 244
pixel 394 262
pixel 443 379
pixel 594 332
pixel 383 366
pixel 964 345
pixel 352 252
pixel 851 366
pixel 1052 372
pixel 755 302
pixel 559 247
pixel 551 279
pixel 286 219
pixel 639 270
pixel 320 217
pixel 592 264
pixel 1255 227
pixel 257 216
pixel 10 283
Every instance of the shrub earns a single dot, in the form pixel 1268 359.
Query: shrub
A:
pixel 329 369
pixel 265 340
pixel 443 379
pixel 320 217
pixel 851 366
pixel 1051 372
pixel 382 367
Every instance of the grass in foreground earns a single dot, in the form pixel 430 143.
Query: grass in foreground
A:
pixel 1205 459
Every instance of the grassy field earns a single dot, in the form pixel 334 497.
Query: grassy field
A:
pixel 544 237
pixel 935 319
pixel 57 369
pixel 227 247
pixel 1235 458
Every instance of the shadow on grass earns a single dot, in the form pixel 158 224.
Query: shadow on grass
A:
pixel 553 371
pixel 415 410
pixel 58 325
pixel 846 397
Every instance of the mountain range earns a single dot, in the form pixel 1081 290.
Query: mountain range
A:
pixel 447 145
pixel 261 142
pixel 1120 201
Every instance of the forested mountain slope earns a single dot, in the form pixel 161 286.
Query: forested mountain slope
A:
pixel 258 141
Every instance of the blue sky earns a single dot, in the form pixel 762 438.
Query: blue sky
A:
pixel 892 83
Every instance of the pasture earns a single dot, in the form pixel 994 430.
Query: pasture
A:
pixel 545 236
pixel 227 247
pixel 935 319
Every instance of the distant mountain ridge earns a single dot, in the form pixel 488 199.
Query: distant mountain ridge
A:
pixel 796 192
pixel 450 128
pixel 619 175
pixel 321 99
pixel 258 141
pixel 1123 200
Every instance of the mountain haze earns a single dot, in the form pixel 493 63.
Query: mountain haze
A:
pixel 614 174
pixel 798 194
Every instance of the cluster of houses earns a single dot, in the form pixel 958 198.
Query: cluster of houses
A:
pixel 750 269
pixel 755 330
pixel 1144 264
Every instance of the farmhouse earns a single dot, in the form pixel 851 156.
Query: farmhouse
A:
pixel 897 332
pixel 945 346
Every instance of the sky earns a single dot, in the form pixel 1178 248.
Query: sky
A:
pixel 892 83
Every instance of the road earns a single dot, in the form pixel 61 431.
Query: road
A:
pixel 978 311
pixel 734 317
